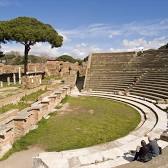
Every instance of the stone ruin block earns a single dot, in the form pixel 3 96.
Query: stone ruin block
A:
pixel 59 95
pixel 23 123
pixel 53 100
pixel 48 104
pixel 8 114
pixel 31 81
pixel 166 101
pixel 6 138
pixel 160 101
pixel 164 136
pixel 63 93
pixel 68 89
pixel 39 110
pixel 121 93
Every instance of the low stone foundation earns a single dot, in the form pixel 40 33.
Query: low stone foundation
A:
pixel 15 124
pixel 31 81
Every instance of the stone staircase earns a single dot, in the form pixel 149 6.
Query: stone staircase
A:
pixel 130 72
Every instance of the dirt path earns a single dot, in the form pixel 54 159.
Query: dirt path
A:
pixel 21 159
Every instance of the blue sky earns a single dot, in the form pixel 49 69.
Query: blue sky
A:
pixel 94 25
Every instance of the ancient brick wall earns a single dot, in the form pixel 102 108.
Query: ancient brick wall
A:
pixel 14 124
pixel 31 81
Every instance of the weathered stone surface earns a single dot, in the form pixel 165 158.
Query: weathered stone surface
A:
pixel 31 81
pixel 14 124
pixel 164 136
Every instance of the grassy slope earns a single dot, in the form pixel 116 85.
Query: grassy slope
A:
pixel 23 103
pixel 90 121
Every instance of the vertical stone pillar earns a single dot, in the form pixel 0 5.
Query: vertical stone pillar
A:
pixel 35 69
pixel 8 81
pixel 14 78
pixel 19 75
pixel 32 80
pixel 40 81
pixel 1 83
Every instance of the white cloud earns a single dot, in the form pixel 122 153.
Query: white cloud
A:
pixel 65 37
pixel 83 50
pixel 83 40
pixel 5 3
pixel 43 49
pixel 91 31
pixel 114 33
pixel 146 44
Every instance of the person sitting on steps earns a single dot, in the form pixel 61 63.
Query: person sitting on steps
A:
pixel 143 153
pixel 154 147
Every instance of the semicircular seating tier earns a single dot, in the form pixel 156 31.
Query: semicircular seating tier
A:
pixel 115 153
pixel 143 74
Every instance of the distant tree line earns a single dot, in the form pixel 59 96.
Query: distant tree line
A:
pixel 15 58
pixel 71 59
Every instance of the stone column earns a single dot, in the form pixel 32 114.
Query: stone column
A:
pixel 35 69
pixel 32 80
pixel 40 81
pixel 14 78
pixel 1 83
pixel 20 75
pixel 8 81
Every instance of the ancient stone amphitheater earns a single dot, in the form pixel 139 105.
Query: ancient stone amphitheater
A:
pixel 138 79
pixel 142 74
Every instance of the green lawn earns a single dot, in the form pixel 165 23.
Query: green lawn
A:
pixel 85 122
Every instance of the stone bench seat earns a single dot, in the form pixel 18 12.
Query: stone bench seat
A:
pixel 106 83
pixel 108 90
pixel 145 95
pixel 153 93
pixel 122 73
pixel 153 83
pixel 111 79
pixel 7 121
pixel 7 115
pixel 158 74
pixel 52 96
pixel 150 85
pixel 152 89
pixel 4 129
pixel 119 72
pixel 125 87
pixel 111 84
pixel 23 115
pixel 119 81
pixel 104 75
pixel 45 100
pixel 155 80
pixel 37 106
pixel 57 92
pixel 143 98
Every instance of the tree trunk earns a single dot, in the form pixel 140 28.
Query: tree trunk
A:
pixel 26 52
